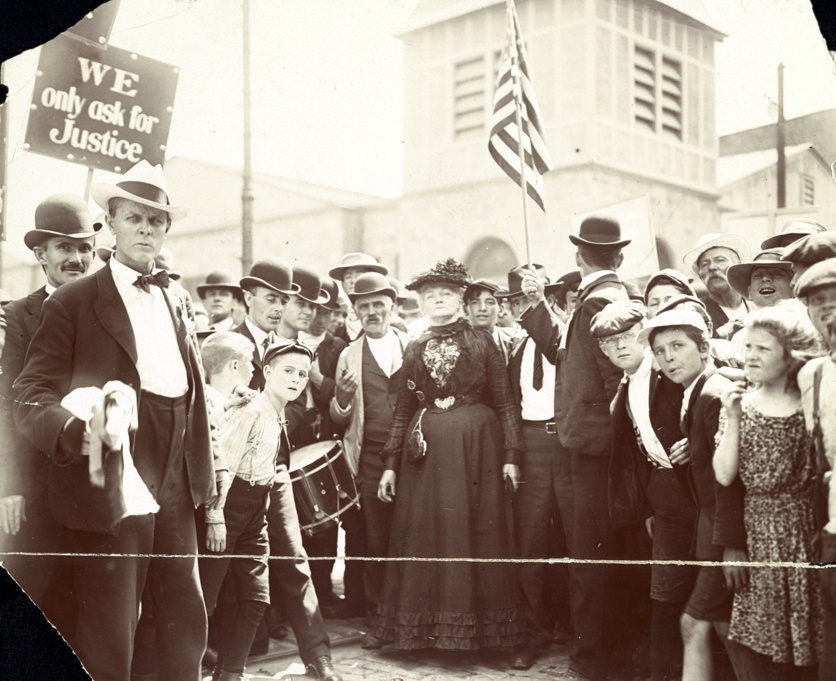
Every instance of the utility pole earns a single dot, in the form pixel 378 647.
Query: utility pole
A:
pixel 246 191
pixel 780 141
pixel 4 170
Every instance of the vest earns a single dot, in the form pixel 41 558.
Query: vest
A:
pixel 378 404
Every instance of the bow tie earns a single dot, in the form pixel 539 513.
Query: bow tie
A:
pixel 146 281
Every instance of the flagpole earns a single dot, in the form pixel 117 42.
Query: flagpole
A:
pixel 517 89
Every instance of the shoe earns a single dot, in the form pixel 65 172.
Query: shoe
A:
pixel 324 670
pixel 523 658
pixel 342 611
pixel 370 642
pixel 230 676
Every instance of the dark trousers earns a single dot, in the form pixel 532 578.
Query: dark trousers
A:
pixel 827 664
pixel 544 496
pixel 290 578
pixel 377 522
pixel 109 586
pixel 593 606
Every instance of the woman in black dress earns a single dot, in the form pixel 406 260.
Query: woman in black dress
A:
pixel 451 468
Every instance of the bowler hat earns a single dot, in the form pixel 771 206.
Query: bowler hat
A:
pixel 616 317
pixel 706 242
pixel 273 273
pixel 371 283
pixel 310 286
pixel 282 346
pixel 739 275
pixel 362 260
pixel 61 215
pixel 568 282
pixel 515 277
pixel 144 184
pixel 165 261
pixel 332 289
pixel 599 233
pixel 221 279
pixel 792 232
pixel 811 249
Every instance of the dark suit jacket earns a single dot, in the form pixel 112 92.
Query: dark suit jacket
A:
pixel 257 381
pixel 720 522
pixel 327 355
pixel 21 465
pixel 86 339
pixel 629 468
pixel 586 380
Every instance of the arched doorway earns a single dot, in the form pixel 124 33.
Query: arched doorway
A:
pixel 491 258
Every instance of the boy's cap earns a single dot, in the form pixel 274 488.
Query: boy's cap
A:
pixel 672 318
pixel 821 274
pixel 284 346
pixel 617 317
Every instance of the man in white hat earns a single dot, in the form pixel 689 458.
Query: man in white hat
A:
pixel 352 266
pixel 709 260
pixel 63 242
pixel 124 332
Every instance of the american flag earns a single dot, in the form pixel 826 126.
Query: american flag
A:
pixel 514 85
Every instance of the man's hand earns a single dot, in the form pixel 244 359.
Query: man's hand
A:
pixel 680 452
pixel 347 385
pixel 223 482
pixel 737 576
pixel 533 287
pixel 216 537
pixel 511 475
pixel 386 488
pixel 12 513
pixel 315 375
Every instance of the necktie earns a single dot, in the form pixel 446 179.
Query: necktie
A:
pixel 264 345
pixel 537 378
pixel 146 281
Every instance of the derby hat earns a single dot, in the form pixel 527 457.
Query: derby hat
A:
pixel 599 233
pixel 310 286
pixel 371 283
pixel 361 260
pixel 61 215
pixel 332 289
pixel 144 184
pixel 706 242
pixel 792 231
pixel 740 274
pixel 221 279
pixel 273 273
pixel 568 282
pixel 515 277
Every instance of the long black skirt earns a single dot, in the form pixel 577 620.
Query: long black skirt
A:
pixel 452 505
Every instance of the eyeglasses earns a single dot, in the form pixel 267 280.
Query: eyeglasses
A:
pixel 613 341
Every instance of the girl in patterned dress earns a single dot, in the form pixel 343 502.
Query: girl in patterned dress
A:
pixel 777 617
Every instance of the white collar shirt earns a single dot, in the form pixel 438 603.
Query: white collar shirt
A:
pixel 537 405
pixel 259 336
pixel 50 289
pixel 387 352
pixel 159 363
pixel 638 396
pixel 250 437
pixel 686 396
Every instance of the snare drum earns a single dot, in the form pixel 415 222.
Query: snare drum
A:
pixel 323 486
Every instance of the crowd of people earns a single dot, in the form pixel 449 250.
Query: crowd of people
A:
pixel 170 465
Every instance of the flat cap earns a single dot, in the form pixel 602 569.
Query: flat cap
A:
pixel 676 317
pixel 821 274
pixel 617 317
pixel 284 346
pixel 811 249
pixel 669 276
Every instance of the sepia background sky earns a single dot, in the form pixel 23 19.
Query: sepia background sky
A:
pixel 328 87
